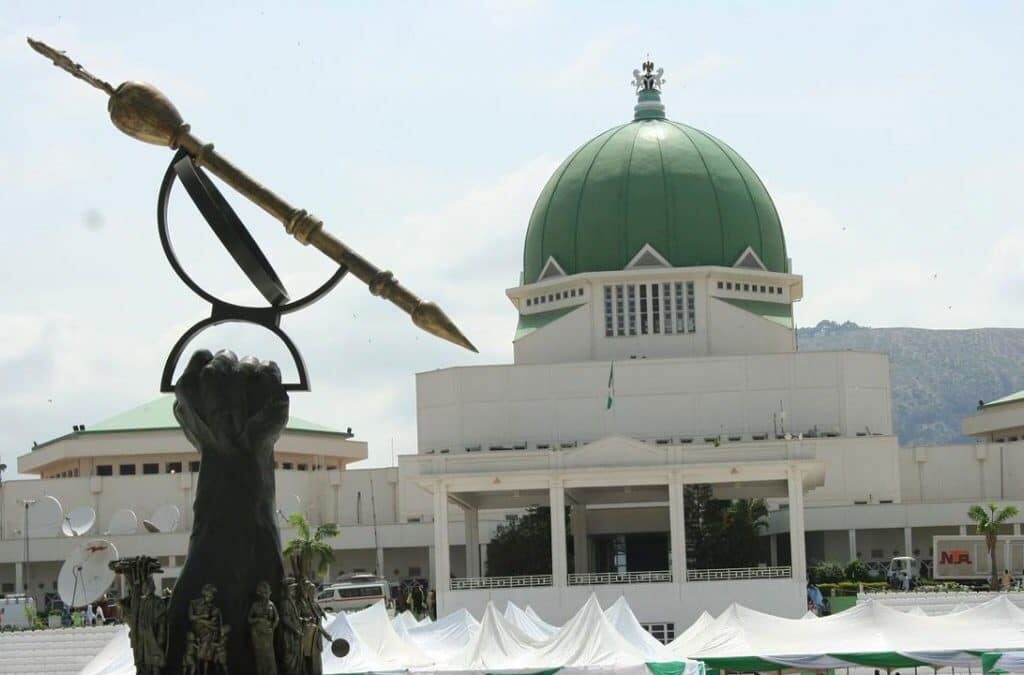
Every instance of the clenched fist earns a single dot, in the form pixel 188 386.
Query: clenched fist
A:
pixel 227 406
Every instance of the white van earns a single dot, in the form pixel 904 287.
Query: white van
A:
pixel 903 567
pixel 354 593
pixel 14 610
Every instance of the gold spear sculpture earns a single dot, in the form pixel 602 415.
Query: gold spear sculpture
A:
pixel 143 112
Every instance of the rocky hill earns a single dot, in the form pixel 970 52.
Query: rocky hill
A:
pixel 938 376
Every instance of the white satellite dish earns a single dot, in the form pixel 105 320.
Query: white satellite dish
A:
pixel 86 574
pixel 45 518
pixel 79 521
pixel 123 522
pixel 165 519
pixel 286 506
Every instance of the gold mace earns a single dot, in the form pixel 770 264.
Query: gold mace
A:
pixel 144 113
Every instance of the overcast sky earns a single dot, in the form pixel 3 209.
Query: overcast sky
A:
pixel 889 134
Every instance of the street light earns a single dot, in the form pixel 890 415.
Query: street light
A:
pixel 3 467
pixel 28 574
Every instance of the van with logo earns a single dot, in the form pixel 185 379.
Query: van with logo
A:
pixel 966 557
pixel 353 593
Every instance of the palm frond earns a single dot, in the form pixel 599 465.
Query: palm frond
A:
pixel 1005 514
pixel 325 531
pixel 977 514
pixel 299 522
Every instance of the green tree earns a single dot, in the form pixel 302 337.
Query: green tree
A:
pixel 720 532
pixel 522 545
pixel 857 570
pixel 308 552
pixel 987 520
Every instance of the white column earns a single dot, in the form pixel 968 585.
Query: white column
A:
pixel 559 564
pixel 677 528
pixel 1016 531
pixel 483 560
pixel 963 530
pixel 19 577
pixel 442 560
pixel 798 553
pixel 472 517
pixel 852 534
pixel 908 541
pixel 580 545
pixel 381 572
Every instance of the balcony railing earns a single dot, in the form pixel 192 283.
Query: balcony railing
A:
pixel 469 583
pixel 597 578
pixel 740 573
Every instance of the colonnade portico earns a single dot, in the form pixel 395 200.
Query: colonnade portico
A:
pixel 582 478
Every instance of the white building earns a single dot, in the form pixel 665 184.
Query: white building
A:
pixel 655 349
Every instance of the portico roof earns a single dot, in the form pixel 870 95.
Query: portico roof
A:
pixel 614 469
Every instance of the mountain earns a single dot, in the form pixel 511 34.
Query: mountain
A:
pixel 938 376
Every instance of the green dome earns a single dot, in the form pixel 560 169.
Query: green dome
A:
pixel 655 181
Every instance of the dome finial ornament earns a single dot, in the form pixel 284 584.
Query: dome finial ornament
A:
pixel 648 83
pixel 649 79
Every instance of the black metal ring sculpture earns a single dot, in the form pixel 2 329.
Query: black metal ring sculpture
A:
pixel 243 249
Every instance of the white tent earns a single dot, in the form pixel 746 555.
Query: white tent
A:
pixel 620 616
pixel 609 643
pixel 690 640
pixel 869 634
pixel 114 659
pixel 538 630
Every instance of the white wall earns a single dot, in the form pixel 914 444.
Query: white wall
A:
pixel 981 472
pixel 720 329
pixel 731 330
pixel 654 398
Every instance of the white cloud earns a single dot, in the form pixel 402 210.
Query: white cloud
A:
pixel 804 220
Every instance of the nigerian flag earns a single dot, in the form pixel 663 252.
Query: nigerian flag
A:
pixel 611 386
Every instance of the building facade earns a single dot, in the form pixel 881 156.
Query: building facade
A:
pixel 655 349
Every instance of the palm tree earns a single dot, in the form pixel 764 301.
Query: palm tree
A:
pixel 308 552
pixel 987 523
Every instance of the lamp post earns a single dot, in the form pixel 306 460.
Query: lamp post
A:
pixel 3 467
pixel 28 575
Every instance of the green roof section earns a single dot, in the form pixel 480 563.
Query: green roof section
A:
pixel 529 323
pixel 683 191
pixel 159 414
pixel 1010 398
pixel 776 312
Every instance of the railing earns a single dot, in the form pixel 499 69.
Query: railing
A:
pixel 469 583
pixel 596 578
pixel 737 573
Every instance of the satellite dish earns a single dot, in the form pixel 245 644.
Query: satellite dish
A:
pixel 165 519
pixel 79 521
pixel 287 506
pixel 123 522
pixel 45 518
pixel 86 574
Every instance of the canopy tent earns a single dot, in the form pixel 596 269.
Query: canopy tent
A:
pixel 114 659
pixel 690 640
pixel 1002 662
pixel 868 634
pixel 588 641
pixel 518 641
pixel 538 630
